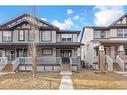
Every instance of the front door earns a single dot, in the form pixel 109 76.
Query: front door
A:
pixel 21 52
pixel 65 54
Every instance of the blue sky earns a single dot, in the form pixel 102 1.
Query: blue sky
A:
pixel 69 17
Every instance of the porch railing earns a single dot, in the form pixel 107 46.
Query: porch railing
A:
pixel 120 62
pixel 3 62
pixel 15 64
pixel 73 60
pixel 40 60
pixel 109 62
pixel 74 63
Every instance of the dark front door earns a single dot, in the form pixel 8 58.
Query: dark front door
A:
pixel 21 52
pixel 65 54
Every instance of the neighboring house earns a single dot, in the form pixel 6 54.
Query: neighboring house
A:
pixel 52 43
pixel 105 46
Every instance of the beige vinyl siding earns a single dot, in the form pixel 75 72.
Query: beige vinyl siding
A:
pixel 113 32
pixel 53 36
pixel 58 37
pixel 74 38
pixel 107 34
pixel 124 20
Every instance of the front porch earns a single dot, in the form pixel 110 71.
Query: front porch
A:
pixel 48 58
pixel 111 56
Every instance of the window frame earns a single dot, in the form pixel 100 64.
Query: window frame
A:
pixel 10 36
pixel 66 38
pixel 123 32
pixel 9 54
pixel 47 49
pixel 19 36
pixel 103 34
pixel 43 40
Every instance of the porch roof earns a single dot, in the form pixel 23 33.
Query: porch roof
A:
pixel 108 42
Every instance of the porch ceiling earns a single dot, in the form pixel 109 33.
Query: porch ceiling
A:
pixel 58 44
pixel 64 44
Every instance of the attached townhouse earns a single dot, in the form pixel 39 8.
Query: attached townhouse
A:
pixel 105 47
pixel 54 46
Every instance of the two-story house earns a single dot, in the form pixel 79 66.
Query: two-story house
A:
pixel 51 42
pixel 106 46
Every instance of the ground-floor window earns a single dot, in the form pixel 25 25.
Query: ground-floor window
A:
pixel 47 51
pixel 10 54
pixel 21 52
pixel 125 51
pixel 63 52
pixel 0 53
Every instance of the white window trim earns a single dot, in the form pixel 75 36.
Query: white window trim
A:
pixel 7 37
pixel 45 37
pixel 123 33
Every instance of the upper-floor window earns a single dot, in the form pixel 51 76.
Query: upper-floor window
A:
pixel 121 32
pixel 66 37
pixel 7 36
pixel 21 35
pixel 102 34
pixel 46 36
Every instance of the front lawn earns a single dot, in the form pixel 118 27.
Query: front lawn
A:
pixel 24 80
pixel 89 80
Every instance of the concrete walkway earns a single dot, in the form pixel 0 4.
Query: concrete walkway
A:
pixel 4 73
pixel 124 73
pixel 66 82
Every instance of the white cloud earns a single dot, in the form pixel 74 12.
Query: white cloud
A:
pixel 44 19
pixel 69 11
pixel 68 23
pixel 105 15
pixel 76 17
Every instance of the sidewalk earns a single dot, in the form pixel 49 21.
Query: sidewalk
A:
pixel 124 73
pixel 66 82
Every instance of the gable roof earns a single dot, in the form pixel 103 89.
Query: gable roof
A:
pixel 111 25
pixel 4 25
pixel 118 19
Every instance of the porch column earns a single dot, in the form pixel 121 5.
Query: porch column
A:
pixel 112 52
pixel 121 52
pixel 101 58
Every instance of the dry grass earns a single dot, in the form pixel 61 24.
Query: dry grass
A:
pixel 91 80
pixel 23 80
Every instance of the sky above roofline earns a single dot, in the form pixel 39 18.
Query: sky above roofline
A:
pixel 69 17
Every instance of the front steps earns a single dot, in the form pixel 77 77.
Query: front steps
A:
pixel 8 68
pixel 66 67
pixel 116 67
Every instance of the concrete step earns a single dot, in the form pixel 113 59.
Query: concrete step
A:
pixel 65 66
pixel 116 67
pixel 63 72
